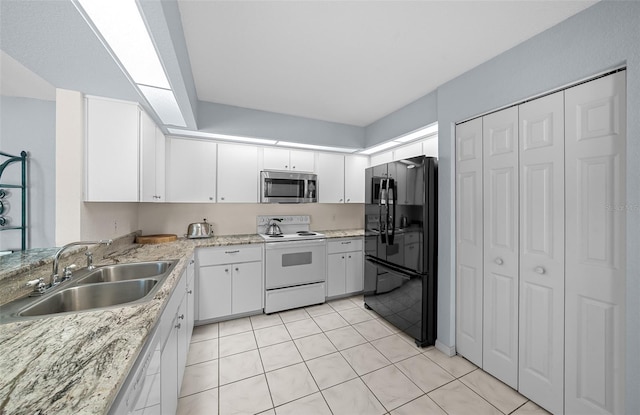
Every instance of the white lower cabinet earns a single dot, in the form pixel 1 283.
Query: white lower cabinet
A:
pixel 344 266
pixel 230 281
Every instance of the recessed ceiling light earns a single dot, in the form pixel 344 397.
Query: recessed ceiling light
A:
pixel 120 27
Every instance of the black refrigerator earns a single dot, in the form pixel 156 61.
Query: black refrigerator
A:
pixel 400 273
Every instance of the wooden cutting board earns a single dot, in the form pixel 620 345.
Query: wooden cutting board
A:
pixel 156 239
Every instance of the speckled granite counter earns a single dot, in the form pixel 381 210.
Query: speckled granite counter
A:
pixel 349 233
pixel 76 363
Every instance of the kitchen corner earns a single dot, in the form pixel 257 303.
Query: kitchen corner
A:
pixel 78 362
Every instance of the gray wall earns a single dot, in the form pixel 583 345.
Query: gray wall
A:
pixel 602 37
pixel 29 124
pixel 417 114
pixel 226 119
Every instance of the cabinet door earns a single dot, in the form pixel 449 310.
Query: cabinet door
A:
pixel 191 298
pixel 500 154
pixel 469 240
pixel 183 338
pixel 169 371
pixel 147 159
pixel 247 291
pixel 354 168
pixel 541 321
pixel 191 171
pixel 237 174
pixel 160 173
pixel 112 151
pixel 303 161
pixel 430 147
pixel 595 333
pixel 336 277
pixel 276 159
pixel 214 291
pixel 354 272
pixel 330 178
pixel 407 151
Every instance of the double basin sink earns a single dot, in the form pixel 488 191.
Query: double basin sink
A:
pixel 101 287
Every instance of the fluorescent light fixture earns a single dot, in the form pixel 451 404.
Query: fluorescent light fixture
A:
pixel 121 25
pixel 201 134
pixel 379 147
pixel 164 103
pixel 396 142
pixel 422 132
pixel 316 147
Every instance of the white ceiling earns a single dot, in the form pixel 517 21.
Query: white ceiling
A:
pixel 350 62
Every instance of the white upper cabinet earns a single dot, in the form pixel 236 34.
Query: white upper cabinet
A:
pixel 112 145
pixel 330 178
pixel 191 170
pixel 354 167
pixel 237 173
pixel 430 146
pixel 289 160
pixel 408 151
pixel 152 161
pixel 381 158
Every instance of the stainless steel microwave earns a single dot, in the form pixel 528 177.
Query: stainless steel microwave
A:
pixel 285 187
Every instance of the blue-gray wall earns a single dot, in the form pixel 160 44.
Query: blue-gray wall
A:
pixel 226 119
pixel 417 114
pixel 30 125
pixel 604 36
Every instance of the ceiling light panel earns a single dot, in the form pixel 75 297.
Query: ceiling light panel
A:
pixel 165 105
pixel 121 25
pixel 200 134
pixel 317 147
pixel 380 147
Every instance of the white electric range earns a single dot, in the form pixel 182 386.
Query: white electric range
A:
pixel 295 263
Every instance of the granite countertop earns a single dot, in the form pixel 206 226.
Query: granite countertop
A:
pixel 76 362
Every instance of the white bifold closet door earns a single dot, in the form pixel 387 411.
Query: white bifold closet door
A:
pixel 501 256
pixel 595 246
pixel 469 240
pixel 541 328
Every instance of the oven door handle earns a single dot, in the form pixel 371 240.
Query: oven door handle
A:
pixel 289 244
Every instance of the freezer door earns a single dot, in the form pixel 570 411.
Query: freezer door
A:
pixel 401 299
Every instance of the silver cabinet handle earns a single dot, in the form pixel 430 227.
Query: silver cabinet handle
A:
pixel 232 252
pixel 181 317
pixel 236 268
pixel 210 198
pixel 539 270
pixel 226 270
pixel 190 292
pixel 499 261
pixel 178 326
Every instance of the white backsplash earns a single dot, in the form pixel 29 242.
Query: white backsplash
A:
pixel 240 218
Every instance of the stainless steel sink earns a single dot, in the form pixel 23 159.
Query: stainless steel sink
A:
pixel 86 297
pixel 102 287
pixel 124 272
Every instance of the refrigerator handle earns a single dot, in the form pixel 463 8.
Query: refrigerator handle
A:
pixel 392 192
pixel 382 201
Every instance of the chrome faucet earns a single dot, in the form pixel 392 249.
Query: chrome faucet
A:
pixel 54 275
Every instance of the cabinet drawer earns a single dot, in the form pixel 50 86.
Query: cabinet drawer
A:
pixel 344 245
pixel 229 254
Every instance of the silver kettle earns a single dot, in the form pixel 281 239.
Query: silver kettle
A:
pixel 273 228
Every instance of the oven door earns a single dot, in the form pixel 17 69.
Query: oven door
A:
pixel 295 263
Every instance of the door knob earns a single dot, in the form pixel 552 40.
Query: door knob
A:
pixel 499 261
pixel 539 270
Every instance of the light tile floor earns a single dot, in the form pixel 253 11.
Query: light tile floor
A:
pixel 335 358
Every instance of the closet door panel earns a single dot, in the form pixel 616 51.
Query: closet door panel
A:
pixel 501 251
pixel 541 321
pixel 469 240
pixel 595 246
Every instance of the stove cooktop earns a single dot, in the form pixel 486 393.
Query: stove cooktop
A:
pixel 300 235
